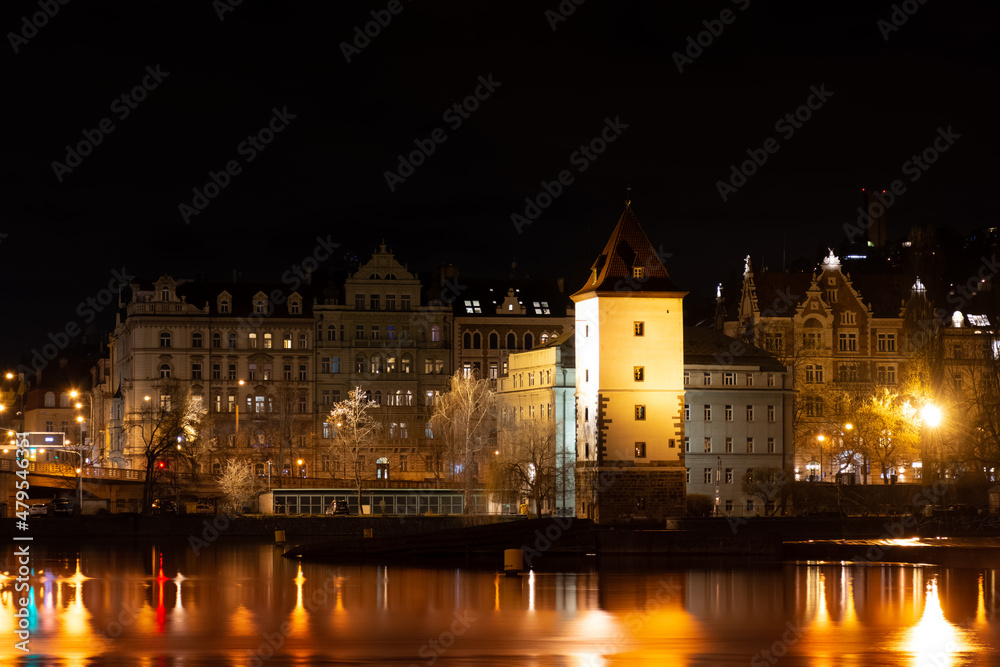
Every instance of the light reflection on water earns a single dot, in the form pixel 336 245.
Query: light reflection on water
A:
pixel 241 603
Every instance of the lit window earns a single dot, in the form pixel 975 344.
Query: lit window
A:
pixel 637 272
pixel 472 306
pixel 638 372
pixel 640 412
pixel 638 328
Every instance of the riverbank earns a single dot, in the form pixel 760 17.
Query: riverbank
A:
pixel 484 538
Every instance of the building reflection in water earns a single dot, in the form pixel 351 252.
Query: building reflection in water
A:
pixel 247 597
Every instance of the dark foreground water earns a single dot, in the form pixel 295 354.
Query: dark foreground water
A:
pixel 241 603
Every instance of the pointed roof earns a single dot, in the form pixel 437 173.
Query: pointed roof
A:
pixel 627 249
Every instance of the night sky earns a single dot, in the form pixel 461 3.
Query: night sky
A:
pixel 883 85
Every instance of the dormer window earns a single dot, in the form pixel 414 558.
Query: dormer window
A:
pixel 258 306
pixel 165 294
pixel 224 306
pixel 473 307
pixel 294 307
pixel 637 272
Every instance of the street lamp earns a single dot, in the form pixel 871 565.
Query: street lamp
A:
pixel 930 415
pixel 240 383
pixel 820 439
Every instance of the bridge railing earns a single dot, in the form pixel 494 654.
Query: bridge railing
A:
pixel 67 470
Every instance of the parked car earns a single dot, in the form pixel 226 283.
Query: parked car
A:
pixel 161 506
pixel 40 509
pixel 338 507
pixel 65 507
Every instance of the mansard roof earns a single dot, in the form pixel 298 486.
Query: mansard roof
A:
pixel 710 347
pixel 471 297
pixel 627 249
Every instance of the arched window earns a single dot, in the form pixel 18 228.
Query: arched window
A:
pixel 409 398
pixel 494 341
pixel 216 468
pixel 377 397
pixel 477 341
pixel 511 341
pixel 50 399
pixel 376 366
pixel 529 341
pixel 467 340
pixel 390 363
pixel 382 468
pixel 435 333
pixel 407 364
pixel 545 338
pixel 331 332
pixel 164 371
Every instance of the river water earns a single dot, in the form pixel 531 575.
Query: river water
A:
pixel 241 603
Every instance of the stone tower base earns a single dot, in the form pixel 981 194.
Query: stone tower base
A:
pixel 619 491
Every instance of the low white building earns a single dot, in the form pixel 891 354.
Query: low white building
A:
pixel 541 385
pixel 737 419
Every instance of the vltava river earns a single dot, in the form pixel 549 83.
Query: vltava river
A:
pixel 241 603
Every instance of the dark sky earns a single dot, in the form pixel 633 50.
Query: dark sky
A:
pixel 678 133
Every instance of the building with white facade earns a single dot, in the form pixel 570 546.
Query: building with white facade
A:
pixel 737 418
pixel 540 388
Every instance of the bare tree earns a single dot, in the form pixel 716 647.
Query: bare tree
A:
pixel 767 484
pixel 158 424
pixel 465 418
pixel 356 427
pixel 238 484
pixel 525 463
